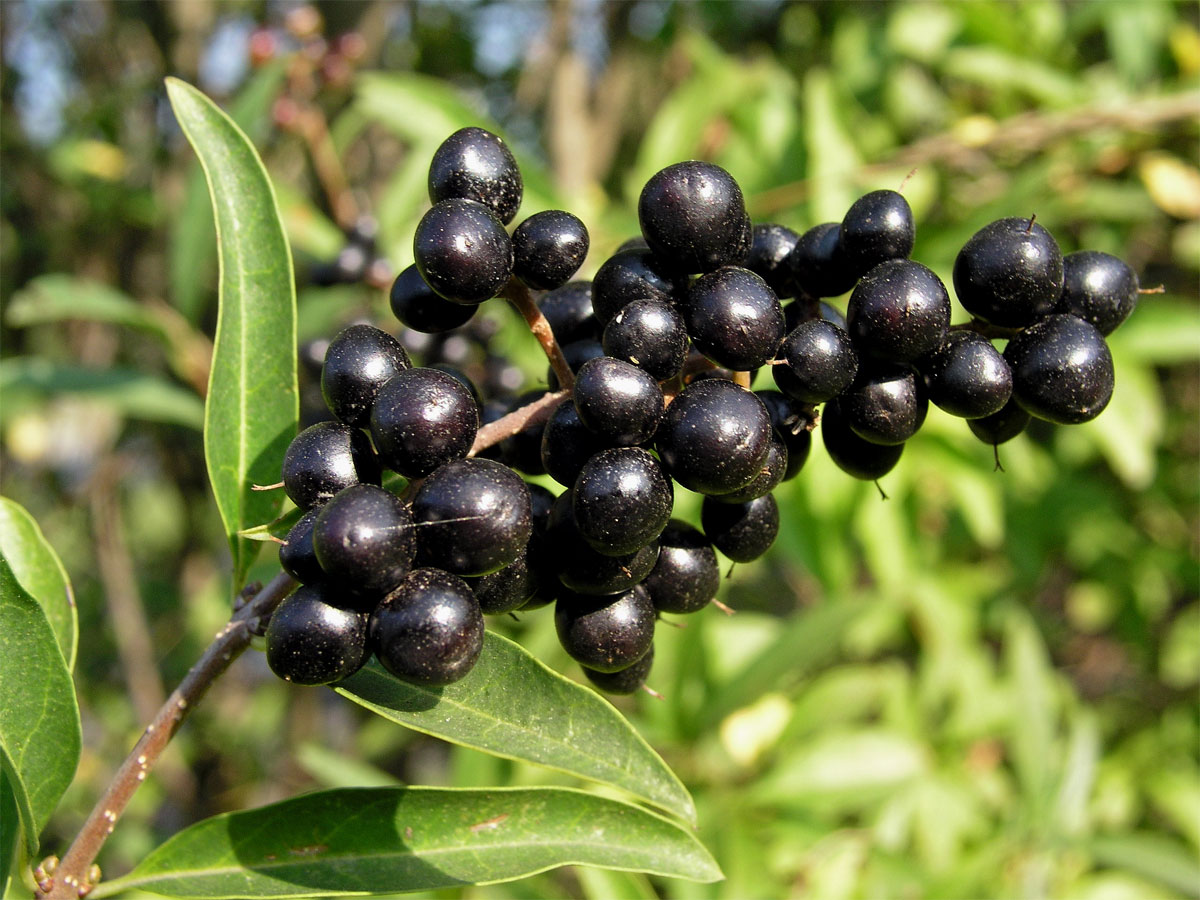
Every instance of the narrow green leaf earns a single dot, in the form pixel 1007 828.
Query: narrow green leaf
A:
pixel 512 705
pixel 253 405
pixel 610 884
pixel 1154 856
pixel 28 382
pixel 9 832
pixel 358 841
pixel 39 571
pixel 57 296
pixel 39 720
pixel 1033 732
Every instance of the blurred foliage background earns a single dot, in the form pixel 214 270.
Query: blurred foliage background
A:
pixel 984 686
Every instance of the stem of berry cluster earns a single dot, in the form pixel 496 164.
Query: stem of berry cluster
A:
pixel 518 420
pixel 519 295
pixel 983 328
pixel 70 881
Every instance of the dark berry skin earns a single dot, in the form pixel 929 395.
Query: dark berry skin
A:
pixel 885 405
pixel 548 248
pixel 622 500
pixel 693 216
pixel 1000 426
pixel 821 362
pixel 686 577
pixel 476 165
pixel 462 251
pixel 606 634
pixel 582 569
pixel 429 630
pixel 312 641
pixel 1098 288
pixel 423 418
pixel 770 246
pixel 523 450
pixel 715 437
pixel 624 681
pixel 630 275
pixel 851 454
pixel 363 539
pixel 790 424
pixel 296 554
pixel 416 305
pixel 1009 273
pixel 567 444
pixel 734 318
pixel 742 531
pixel 358 362
pixel 323 459
pixel 898 311
pixel 967 376
pixel 768 477
pixel 472 517
pixel 569 311
pixel 1062 370
pixel 819 268
pixel 877 227
pixel 618 401
pixel 651 335
pixel 505 589
pixel 576 354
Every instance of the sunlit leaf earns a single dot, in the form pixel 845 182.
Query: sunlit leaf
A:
pixel 40 572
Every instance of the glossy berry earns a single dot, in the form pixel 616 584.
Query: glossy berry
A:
pixel 581 568
pixel 618 401
pixel 569 311
pixel 358 362
pixel 624 681
pixel 790 424
pixel 877 227
pixel 850 453
pixel 622 500
pixel 548 248
pixel 885 404
pixel 606 634
pixel 821 362
pixel 686 576
pixel 416 305
pixel 567 444
pixel 967 376
pixel 773 470
pixel 472 517
pixel 363 539
pixel 323 459
pixel 1000 426
pixel 462 251
pixel 819 267
pixel 742 531
pixel 296 554
pixel 770 247
pixel 476 165
pixel 429 630
pixel 898 311
pixel 313 641
pixel 423 418
pixel 651 335
pixel 576 354
pixel 715 437
pixel 1062 370
pixel 1098 288
pixel 505 589
pixel 630 275
pixel 693 216
pixel 734 318
pixel 1009 273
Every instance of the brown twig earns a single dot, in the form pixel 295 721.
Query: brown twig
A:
pixel 516 421
pixel 70 880
pixel 519 296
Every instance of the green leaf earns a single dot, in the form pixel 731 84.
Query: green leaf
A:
pixel 39 720
pixel 9 834
pixel 253 405
pixel 56 297
pixel 1154 856
pixel 512 705
pixel 39 571
pixel 389 840
pixel 27 382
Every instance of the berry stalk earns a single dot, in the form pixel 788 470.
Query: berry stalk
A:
pixel 519 295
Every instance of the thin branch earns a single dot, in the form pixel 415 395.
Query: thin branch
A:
pixel 70 880
pixel 516 421
pixel 518 294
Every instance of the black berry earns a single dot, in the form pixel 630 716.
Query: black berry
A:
pixel 618 401
pixel 622 500
pixel 476 165
pixel 548 248
pixel 853 455
pixel 821 362
pixel 358 362
pixel 1009 273
pixel 423 418
pixel 1098 288
pixel 462 251
pixel 694 217
pixel 312 641
pixel 418 307
pixel 899 310
pixel 323 459
pixel 363 539
pixel 623 681
pixel 967 376
pixel 877 227
pixel 742 531
pixel 606 634
pixel 1062 370
pixel 734 318
pixel 686 576
pixel 651 335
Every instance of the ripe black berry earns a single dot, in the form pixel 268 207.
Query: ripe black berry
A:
pixel 1098 288
pixel 567 444
pixel 624 681
pixel 582 569
pixel 462 251
pixel 618 401
pixel 877 227
pixel 312 641
pixel 505 589
pixel 568 309
pixel 651 335
pixel 606 634
pixel 630 275
pixel 819 267
pixel 358 362
pixel 742 531
pixel 476 165
pixel 548 248
pixel 885 404
pixel 1009 273
pixel 770 247
pixel 898 311
pixel 769 476
pixel 790 424
pixel 694 217
pixel 821 362
pixel 622 500
pixel 1000 426
pixel 967 376
pixel 1062 370
pixel 686 576
pixel 854 456
pixel 416 305
pixel 734 318
pixel 323 459
pixel 423 418
pixel 429 630
pixel 296 554
pixel 363 539
pixel 576 354
pixel 472 517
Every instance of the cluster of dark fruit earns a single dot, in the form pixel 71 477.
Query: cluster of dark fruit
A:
pixel 661 344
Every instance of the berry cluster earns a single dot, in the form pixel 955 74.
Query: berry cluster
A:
pixel 653 358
